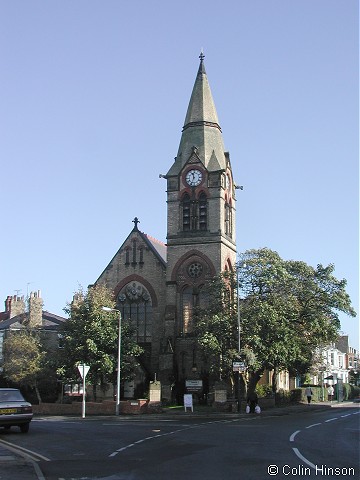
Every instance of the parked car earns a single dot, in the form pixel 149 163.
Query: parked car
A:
pixel 15 411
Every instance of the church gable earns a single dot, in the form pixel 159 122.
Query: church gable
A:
pixel 139 254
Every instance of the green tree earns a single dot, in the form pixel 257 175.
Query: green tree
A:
pixel 216 327
pixel 288 310
pixel 90 336
pixel 23 357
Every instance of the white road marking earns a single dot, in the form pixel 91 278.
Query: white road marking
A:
pixel 313 425
pixel 305 460
pixel 296 451
pixel 292 436
pixel 185 427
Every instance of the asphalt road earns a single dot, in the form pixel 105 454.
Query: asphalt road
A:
pixel 314 444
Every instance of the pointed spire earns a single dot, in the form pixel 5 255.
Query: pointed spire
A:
pixel 202 65
pixel 201 128
pixel 201 107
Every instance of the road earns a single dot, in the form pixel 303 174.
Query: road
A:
pixel 314 444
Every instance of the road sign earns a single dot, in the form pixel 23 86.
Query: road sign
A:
pixel 239 367
pixel 83 370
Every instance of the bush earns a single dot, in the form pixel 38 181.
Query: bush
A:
pixel 282 397
pixel 355 391
pixel 347 391
pixel 264 391
pixel 295 395
pixel 351 391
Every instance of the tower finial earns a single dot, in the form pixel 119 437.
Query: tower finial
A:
pixel 202 56
pixel 136 221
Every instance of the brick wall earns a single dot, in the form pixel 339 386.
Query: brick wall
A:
pixel 107 407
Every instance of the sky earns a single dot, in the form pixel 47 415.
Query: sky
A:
pixel 93 97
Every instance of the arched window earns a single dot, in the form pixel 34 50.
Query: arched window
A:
pixel 194 212
pixel 186 212
pixel 228 218
pixel 202 211
pixel 191 298
pixel 134 302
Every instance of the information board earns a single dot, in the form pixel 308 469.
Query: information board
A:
pixel 188 401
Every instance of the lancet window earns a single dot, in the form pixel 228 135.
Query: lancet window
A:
pixel 194 212
pixel 134 302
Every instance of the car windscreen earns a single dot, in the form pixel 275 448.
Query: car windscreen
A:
pixel 11 396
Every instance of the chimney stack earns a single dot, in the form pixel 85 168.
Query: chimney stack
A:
pixel 35 309
pixel 15 305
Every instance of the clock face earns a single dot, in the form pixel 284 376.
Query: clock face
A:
pixel 193 178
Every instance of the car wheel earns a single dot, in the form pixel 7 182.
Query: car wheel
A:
pixel 25 427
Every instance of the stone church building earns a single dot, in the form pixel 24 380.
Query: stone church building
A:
pixel 158 285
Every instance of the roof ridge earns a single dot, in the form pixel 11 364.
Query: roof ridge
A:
pixel 154 239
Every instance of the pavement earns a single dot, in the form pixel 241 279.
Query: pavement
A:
pixel 14 466
pixel 17 465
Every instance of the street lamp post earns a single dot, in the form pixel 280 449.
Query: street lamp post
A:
pixel 238 307
pixel 108 309
pixel 239 335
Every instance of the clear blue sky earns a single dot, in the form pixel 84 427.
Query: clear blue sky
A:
pixel 93 98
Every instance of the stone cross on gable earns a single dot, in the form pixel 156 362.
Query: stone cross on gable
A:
pixel 136 221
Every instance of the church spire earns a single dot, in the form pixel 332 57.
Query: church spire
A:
pixel 201 128
pixel 202 66
pixel 201 106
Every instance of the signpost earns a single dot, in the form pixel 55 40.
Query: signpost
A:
pixel 239 367
pixel 194 385
pixel 83 370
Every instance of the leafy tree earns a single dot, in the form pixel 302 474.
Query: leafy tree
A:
pixel 216 327
pixel 90 336
pixel 288 310
pixel 23 358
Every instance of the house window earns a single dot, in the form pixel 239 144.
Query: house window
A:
pixel 134 302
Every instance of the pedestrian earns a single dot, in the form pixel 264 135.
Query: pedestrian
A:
pixel 308 393
pixel 330 392
pixel 252 401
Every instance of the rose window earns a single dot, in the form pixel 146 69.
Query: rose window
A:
pixel 195 270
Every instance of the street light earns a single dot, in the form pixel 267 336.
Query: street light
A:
pixel 238 307
pixel 239 331
pixel 117 410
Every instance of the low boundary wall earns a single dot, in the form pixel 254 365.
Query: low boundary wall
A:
pixel 107 407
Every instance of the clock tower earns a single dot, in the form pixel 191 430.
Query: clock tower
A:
pixel 201 239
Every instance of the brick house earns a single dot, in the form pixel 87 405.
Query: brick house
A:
pixel 20 314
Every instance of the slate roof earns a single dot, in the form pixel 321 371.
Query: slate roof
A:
pixel 49 320
pixel 157 246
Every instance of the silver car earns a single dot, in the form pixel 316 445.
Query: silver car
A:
pixel 15 411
